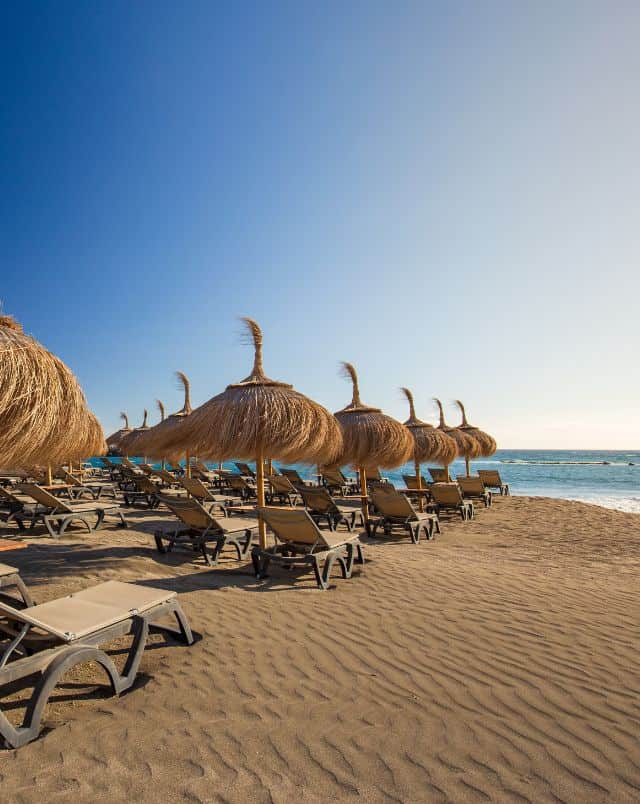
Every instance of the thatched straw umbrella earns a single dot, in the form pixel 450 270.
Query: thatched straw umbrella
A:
pixel 429 443
pixel 158 440
pixel 42 407
pixel 487 442
pixel 261 419
pixel 130 441
pixel 371 438
pixel 115 439
pixel 93 444
pixel 468 447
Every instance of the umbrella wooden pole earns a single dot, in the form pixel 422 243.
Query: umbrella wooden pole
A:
pixel 262 527
pixel 187 467
pixel 363 493
pixel 466 463
pixel 49 475
pixel 163 464
pixel 419 485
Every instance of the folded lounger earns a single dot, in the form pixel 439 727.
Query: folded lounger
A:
pixel 395 510
pixel 321 505
pixel 300 542
pixel 492 480
pixel 448 497
pixel 202 528
pixel 73 629
pixel 57 514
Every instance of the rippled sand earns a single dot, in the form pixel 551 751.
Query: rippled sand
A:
pixel 499 663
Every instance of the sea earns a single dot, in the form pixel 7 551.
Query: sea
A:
pixel 607 478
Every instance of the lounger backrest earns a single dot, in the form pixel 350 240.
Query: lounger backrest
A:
pixel 7 495
pixel 438 475
pixel 392 504
pixel 470 485
pixel 293 476
pixel 195 487
pixel 238 482
pixel 164 475
pixel 44 497
pixel 411 482
pixel 490 476
pixel 107 463
pixel 189 511
pixel 318 500
pixel 282 484
pixel 146 485
pixel 446 493
pixel 72 480
pixel 333 476
pixel 245 469
pixel 295 525
pixel 373 473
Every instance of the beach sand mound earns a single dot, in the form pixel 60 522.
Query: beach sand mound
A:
pixel 497 663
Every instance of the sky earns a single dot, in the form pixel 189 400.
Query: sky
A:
pixel 446 194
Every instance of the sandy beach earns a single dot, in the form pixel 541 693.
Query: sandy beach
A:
pixel 497 663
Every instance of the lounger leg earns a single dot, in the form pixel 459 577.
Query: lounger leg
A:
pixel 183 630
pixel 123 521
pixel 320 576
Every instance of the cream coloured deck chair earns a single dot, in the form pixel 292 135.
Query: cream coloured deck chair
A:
pixel 321 505
pixel 202 529
pixel 44 642
pixel 448 497
pixel 10 578
pixel 492 480
pixel 395 511
pixel 206 497
pixel 336 482
pixel 281 488
pixel 92 488
pixel 57 514
pixel 474 489
pixel 300 542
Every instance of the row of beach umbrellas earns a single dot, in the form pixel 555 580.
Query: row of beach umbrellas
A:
pixel 44 420
pixel 263 419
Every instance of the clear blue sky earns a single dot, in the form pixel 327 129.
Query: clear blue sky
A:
pixel 446 194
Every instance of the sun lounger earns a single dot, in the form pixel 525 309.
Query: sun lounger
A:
pixel 473 488
pixel 438 475
pixel 448 497
pixel 492 480
pixel 242 487
pixel 300 542
pixel 202 528
pixel 336 482
pixel 281 488
pixel 57 514
pixel 294 477
pixel 205 497
pixel 395 511
pixel 14 505
pixel 244 469
pixel 75 627
pixel 93 489
pixel 411 482
pixel 321 505
pixel 10 578
pixel 144 490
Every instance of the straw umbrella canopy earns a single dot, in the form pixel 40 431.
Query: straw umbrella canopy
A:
pixel 429 443
pixel 129 442
pixel 261 419
pixel 115 439
pixel 468 447
pixel 159 441
pixel 42 407
pixel 487 442
pixel 371 438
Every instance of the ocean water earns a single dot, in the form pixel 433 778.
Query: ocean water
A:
pixel 610 479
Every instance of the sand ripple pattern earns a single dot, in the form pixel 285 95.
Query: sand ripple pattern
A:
pixel 498 663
